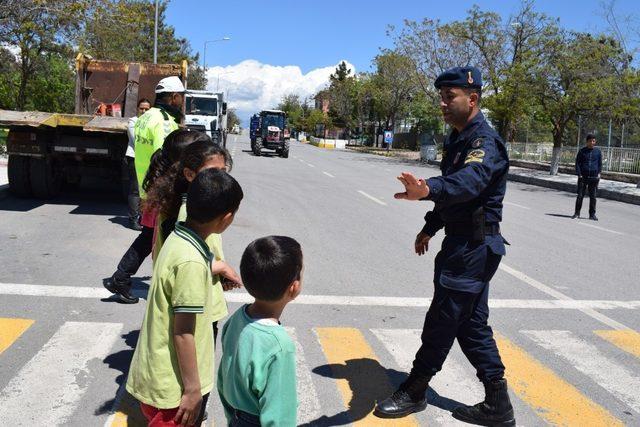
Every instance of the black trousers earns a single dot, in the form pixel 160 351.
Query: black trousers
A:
pixel 133 198
pixel 463 316
pixel 134 257
pixel 585 185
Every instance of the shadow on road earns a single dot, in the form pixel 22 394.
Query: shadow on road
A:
pixel 368 382
pixel 559 215
pixel 86 202
pixel 123 402
pixel 139 288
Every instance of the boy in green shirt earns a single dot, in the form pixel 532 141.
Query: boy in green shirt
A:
pixel 171 371
pixel 257 374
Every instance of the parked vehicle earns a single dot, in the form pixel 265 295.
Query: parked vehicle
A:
pixel 48 149
pixel 207 112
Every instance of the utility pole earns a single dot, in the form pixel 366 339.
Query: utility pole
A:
pixel 155 37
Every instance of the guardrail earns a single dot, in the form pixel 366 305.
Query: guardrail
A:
pixel 614 159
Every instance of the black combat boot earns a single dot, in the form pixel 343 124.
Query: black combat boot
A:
pixel 496 410
pixel 409 398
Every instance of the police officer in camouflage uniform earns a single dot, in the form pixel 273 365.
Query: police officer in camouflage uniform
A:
pixel 468 205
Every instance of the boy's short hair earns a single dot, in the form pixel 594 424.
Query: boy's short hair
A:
pixel 269 265
pixel 212 193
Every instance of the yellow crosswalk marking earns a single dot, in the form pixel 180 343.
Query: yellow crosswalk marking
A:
pixel 359 377
pixel 555 400
pixel 11 329
pixel 627 340
pixel 128 413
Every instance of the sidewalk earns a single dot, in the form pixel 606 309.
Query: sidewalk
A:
pixel 607 189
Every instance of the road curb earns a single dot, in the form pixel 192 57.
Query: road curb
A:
pixel 571 188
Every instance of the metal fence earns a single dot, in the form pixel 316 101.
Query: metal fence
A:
pixel 614 159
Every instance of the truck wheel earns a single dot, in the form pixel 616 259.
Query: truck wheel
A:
pixel 285 151
pixel 46 181
pixel 18 173
pixel 257 147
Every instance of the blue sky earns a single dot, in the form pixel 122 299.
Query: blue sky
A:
pixel 299 42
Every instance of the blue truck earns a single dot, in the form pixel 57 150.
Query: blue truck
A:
pixel 267 129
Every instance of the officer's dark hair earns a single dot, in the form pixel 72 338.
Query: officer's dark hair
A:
pixel 142 101
pixel 269 265
pixel 212 194
pixel 470 90
pixel 590 137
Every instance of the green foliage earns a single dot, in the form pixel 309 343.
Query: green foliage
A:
pixel 232 119
pixel 47 35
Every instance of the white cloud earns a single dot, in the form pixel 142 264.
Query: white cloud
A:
pixel 253 86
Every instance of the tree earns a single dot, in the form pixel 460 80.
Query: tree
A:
pixel 340 97
pixel 123 30
pixel 577 75
pixel 394 86
pixel 232 119
pixel 37 27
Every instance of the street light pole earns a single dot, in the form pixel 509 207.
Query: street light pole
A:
pixel 155 37
pixel 221 74
pixel 204 55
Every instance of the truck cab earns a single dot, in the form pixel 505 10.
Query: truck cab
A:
pixel 206 112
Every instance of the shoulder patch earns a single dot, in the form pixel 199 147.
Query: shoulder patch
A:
pixel 474 156
pixel 477 143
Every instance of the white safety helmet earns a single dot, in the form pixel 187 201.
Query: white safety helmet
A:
pixel 170 84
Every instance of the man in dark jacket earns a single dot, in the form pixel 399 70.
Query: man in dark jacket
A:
pixel 588 168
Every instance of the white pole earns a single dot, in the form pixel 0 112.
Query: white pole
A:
pixel 155 37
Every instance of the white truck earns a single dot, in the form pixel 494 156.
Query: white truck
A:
pixel 207 112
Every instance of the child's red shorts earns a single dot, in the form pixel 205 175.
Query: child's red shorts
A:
pixel 164 417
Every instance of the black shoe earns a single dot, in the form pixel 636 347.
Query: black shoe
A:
pixel 593 217
pixel 120 290
pixel 575 216
pixel 496 410
pixel 399 404
pixel 134 224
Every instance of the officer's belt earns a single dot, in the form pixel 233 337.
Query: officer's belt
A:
pixel 466 229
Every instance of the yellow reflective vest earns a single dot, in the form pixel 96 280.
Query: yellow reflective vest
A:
pixel 150 131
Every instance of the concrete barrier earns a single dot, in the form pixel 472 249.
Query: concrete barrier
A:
pixel 330 144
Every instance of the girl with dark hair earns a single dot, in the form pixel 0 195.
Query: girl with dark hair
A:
pixel 162 162
pixel 168 197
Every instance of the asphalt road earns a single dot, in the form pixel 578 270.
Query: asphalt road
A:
pixel 565 303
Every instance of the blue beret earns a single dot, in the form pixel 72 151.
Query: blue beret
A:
pixel 460 77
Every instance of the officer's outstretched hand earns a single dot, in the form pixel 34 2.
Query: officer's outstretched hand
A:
pixel 422 243
pixel 416 189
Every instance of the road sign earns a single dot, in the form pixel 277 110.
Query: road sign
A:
pixel 388 136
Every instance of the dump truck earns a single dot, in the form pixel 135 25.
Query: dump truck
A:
pixel 207 112
pixel 47 150
pixel 267 130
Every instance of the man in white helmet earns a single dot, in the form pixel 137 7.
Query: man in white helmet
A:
pixel 154 125
pixel 150 131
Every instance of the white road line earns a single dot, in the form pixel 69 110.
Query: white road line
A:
pixel 516 205
pixel 309 405
pixel 561 303
pixel 301 161
pixel 49 387
pixel 453 382
pixel 600 228
pixel 586 358
pixel 387 169
pixel 368 196
pixel 328 174
pixel 559 295
pixel 310 165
